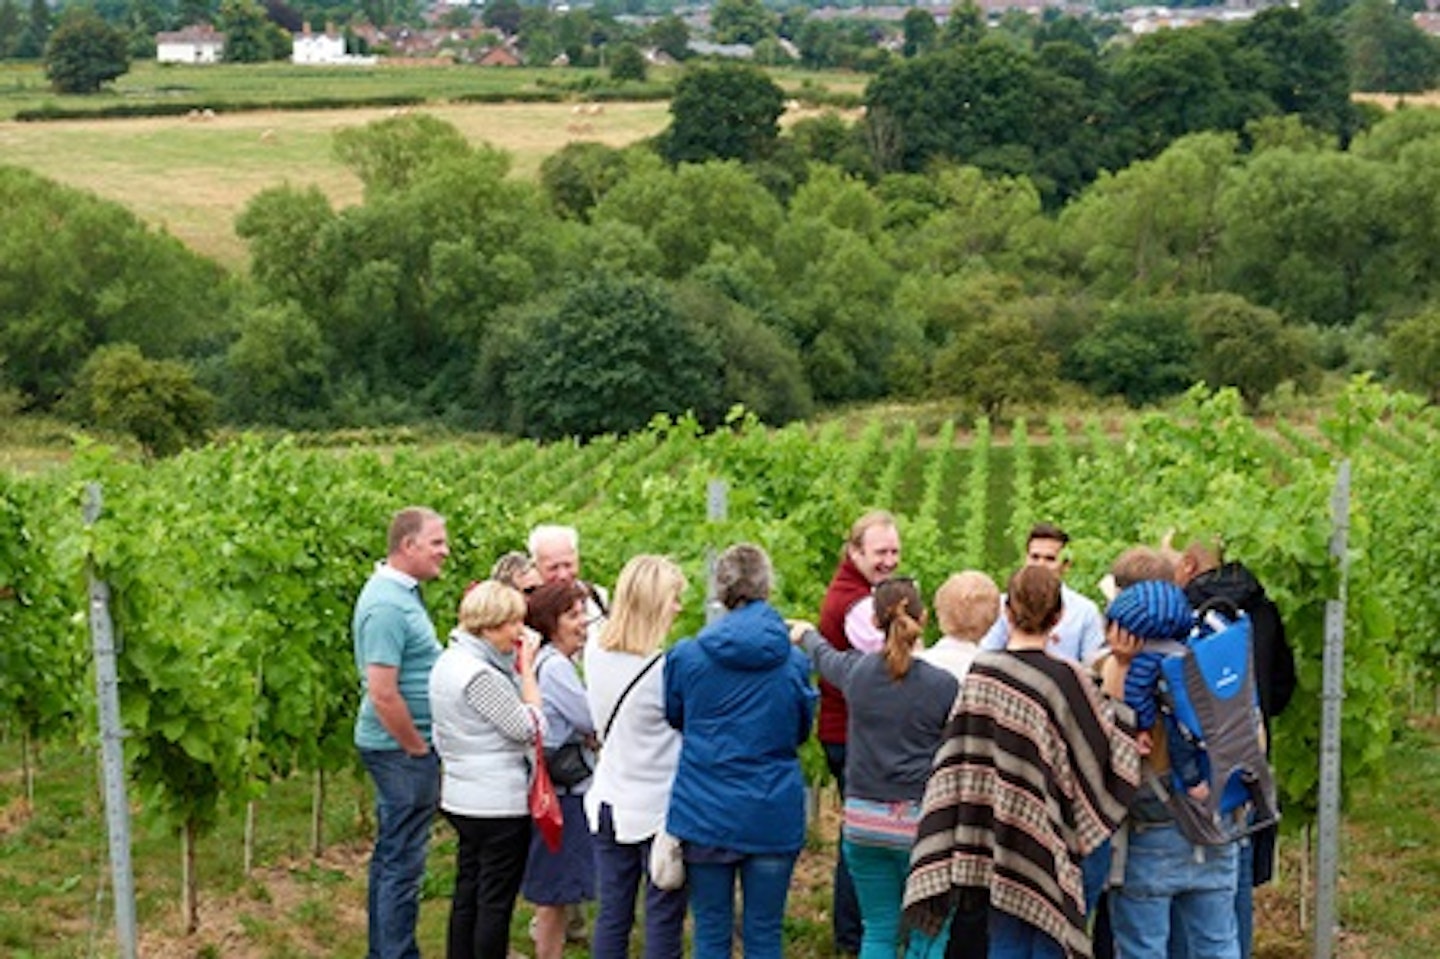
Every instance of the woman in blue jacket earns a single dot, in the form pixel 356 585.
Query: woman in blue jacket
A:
pixel 741 696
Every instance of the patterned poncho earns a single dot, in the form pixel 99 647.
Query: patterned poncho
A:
pixel 1035 772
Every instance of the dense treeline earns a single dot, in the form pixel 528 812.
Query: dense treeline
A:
pixel 962 243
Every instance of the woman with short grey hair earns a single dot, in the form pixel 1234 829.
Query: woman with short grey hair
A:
pixel 743 574
pixel 741 697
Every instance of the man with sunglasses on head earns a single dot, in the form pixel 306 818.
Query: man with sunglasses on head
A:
pixel 847 621
pixel 1080 634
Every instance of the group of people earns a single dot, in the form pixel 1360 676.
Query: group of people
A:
pixel 997 787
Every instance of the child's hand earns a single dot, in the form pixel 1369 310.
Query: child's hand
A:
pixel 798 628
pixel 1200 791
pixel 1123 646
pixel 1142 742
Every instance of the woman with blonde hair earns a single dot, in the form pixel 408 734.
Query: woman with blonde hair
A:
pixel 626 804
pixel 898 708
pixel 486 714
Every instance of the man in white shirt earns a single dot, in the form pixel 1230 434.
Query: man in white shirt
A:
pixel 1080 634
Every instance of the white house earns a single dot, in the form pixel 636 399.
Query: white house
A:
pixel 200 43
pixel 326 48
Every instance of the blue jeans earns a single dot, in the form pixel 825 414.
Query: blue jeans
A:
pixel 407 789
pixel 1094 870
pixel 1012 938
pixel 879 874
pixel 764 885
pixel 1245 897
pixel 619 870
pixel 1162 869
pixel 1244 906
pixel 845 904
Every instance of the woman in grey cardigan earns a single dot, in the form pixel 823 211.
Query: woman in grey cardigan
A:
pixel 898 708
pixel 486 715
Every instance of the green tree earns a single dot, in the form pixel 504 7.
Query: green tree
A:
pixel 995 363
pixel 607 356
pixel 1175 82
pixel 1305 71
pixel 10 28
pixel 276 371
pixel 966 25
pixel 628 63
pixel 283 226
pixel 1387 51
pixel 503 15
pixel 31 45
pixel 1414 347
pixel 1313 235
pixel 1154 226
pixel 975 105
pixel 692 211
pixel 725 112
pixel 1143 351
pixel 85 53
pixel 77 272
pixel 742 21
pixel 763 369
pixel 580 173
pixel 670 35
pixel 388 155
pixel 406 287
pixel 1246 346
pixel 155 401
pixel 919 30
pixel 250 37
pixel 143 20
pixel 191 12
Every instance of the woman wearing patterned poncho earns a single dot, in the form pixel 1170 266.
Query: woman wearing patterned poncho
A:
pixel 1035 772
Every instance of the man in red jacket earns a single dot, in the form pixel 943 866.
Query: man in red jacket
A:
pixel 847 621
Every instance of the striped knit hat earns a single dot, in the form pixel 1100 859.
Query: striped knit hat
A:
pixel 1153 609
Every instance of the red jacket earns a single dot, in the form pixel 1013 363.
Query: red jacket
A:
pixel 847 587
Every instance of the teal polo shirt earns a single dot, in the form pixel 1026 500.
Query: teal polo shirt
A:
pixel 392 628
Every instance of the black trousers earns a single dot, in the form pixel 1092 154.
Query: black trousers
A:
pixel 489 865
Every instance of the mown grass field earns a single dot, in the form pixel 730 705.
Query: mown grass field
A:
pixel 192 177
pixel 54 876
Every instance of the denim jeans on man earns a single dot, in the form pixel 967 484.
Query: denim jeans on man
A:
pixel 764 885
pixel 1162 869
pixel 407 790
pixel 846 925
pixel 1244 906
pixel 620 868
pixel 1012 938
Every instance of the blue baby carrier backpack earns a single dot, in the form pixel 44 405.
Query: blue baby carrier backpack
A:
pixel 1208 696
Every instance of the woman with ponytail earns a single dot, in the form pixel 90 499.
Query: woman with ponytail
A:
pixel 898 708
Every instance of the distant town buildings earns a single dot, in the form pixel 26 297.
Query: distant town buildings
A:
pixel 201 43
pixel 324 49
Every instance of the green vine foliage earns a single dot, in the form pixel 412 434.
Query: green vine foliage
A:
pixel 233 569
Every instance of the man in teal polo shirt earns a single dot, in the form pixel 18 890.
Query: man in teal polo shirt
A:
pixel 395 646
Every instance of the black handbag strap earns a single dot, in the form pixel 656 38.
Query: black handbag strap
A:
pixel 633 682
